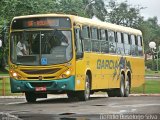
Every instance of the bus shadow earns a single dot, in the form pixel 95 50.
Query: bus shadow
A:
pixel 60 100
pixel 65 100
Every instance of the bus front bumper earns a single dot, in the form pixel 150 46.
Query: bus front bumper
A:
pixel 18 86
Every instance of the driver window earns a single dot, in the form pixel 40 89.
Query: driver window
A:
pixel 78 42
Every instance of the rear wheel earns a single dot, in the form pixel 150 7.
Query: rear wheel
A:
pixel 127 87
pixel 30 97
pixel 118 92
pixel 84 95
pixel 121 90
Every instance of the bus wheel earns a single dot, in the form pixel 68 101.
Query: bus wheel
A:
pixel 30 97
pixel 127 87
pixel 84 95
pixel 118 92
pixel 121 90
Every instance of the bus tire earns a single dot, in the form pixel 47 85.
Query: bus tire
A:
pixel 121 90
pixel 127 87
pixel 118 92
pixel 85 94
pixel 30 97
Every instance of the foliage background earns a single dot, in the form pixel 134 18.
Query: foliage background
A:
pixel 105 10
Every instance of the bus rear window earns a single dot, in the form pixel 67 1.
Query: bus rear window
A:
pixel 41 22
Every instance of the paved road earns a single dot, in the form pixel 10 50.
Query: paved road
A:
pixel 65 109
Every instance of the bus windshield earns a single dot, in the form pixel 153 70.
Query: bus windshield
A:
pixel 41 47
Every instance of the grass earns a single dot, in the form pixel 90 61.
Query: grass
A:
pixel 150 87
pixel 5 88
pixel 150 72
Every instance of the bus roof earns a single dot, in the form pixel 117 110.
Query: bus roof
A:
pixel 89 22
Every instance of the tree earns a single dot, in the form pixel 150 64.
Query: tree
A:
pixel 151 32
pixel 95 8
pixel 123 14
pixel 71 7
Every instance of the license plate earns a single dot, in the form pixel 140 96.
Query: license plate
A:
pixel 41 89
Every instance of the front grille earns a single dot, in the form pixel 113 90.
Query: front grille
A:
pixel 37 78
pixel 33 78
pixel 40 84
pixel 43 71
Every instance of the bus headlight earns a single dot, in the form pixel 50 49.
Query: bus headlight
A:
pixel 15 75
pixel 66 74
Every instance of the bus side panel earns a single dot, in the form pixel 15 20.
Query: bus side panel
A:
pixel 138 71
pixel 113 71
pixel 97 82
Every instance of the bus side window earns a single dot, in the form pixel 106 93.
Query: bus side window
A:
pixel 85 32
pixel 104 41
pixel 102 34
pixel 112 43
pixel 120 45
pixel 94 40
pixel 127 44
pixel 133 45
pixel 140 49
pixel 86 38
pixel 136 45
pixel 78 43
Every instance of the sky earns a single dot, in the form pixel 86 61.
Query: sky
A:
pixel 152 7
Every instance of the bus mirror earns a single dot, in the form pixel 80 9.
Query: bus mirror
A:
pixel 79 55
pixel 0 43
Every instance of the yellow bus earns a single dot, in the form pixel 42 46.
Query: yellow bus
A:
pixel 58 53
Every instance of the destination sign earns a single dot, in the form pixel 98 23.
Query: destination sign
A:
pixel 41 22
